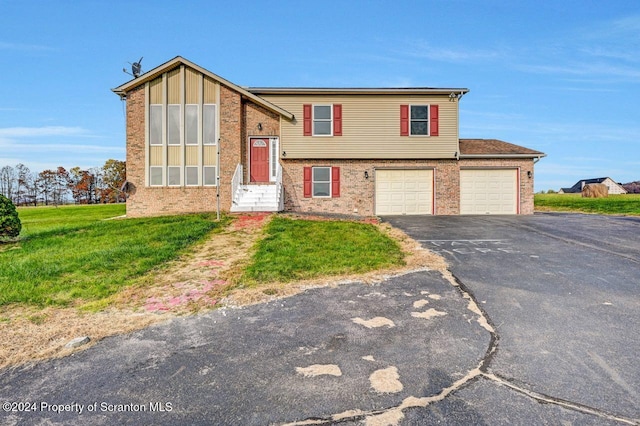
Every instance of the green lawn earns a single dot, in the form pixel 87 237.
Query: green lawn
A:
pixel 69 254
pixel 627 204
pixel 301 249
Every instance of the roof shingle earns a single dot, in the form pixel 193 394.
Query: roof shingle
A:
pixel 495 147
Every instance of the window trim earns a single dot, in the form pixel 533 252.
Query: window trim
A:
pixel 186 128
pixel 197 176
pixel 313 182
pixel 428 120
pixel 179 130
pixel 161 184
pixel 323 120
pixel 215 176
pixel 215 125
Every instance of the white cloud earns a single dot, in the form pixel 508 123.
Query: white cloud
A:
pixel 21 46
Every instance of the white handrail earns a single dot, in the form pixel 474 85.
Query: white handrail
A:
pixel 236 182
pixel 279 190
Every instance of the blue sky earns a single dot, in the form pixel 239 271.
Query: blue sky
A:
pixel 562 77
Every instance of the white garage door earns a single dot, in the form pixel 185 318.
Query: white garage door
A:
pixel 404 192
pixel 488 191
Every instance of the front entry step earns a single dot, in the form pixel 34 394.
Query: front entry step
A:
pixel 256 198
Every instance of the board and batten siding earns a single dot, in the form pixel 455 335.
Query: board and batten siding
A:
pixel 370 128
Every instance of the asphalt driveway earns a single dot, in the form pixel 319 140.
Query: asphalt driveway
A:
pixel 563 292
pixel 542 327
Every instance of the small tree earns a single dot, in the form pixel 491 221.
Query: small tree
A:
pixel 10 225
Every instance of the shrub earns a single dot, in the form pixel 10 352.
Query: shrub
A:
pixel 10 225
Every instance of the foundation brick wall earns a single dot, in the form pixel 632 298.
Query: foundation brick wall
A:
pixel 357 194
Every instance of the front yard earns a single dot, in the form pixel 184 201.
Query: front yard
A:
pixel 72 273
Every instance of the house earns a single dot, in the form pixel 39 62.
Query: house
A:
pixel 614 188
pixel 197 142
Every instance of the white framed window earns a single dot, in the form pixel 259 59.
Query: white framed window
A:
pixel 322 120
pixel 191 175
pixel 173 176
pixel 321 181
pixel 191 112
pixel 209 175
pixel 155 125
pixel 419 120
pixel 155 175
pixel 209 124
pixel 173 124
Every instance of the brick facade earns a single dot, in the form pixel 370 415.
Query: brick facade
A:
pixel 357 194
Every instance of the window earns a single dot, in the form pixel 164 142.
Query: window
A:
pixel 155 178
pixel 209 124
pixel 191 124
pixel 321 182
pixel 155 125
pixel 209 176
pixel 191 175
pixel 173 176
pixel 321 185
pixel 420 120
pixel 322 120
pixel 173 125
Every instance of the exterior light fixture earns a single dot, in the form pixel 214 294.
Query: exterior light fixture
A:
pixel 366 174
pixel 260 126
pixel 284 154
pixel 529 174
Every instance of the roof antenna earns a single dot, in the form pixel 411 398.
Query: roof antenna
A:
pixel 136 69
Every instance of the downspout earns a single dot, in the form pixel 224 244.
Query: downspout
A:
pixel 218 182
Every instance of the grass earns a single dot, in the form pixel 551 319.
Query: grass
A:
pixel 627 204
pixel 303 249
pixel 68 254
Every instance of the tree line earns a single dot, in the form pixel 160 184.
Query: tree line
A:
pixel 60 186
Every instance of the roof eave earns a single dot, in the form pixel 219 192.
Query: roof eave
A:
pixel 488 156
pixel 356 91
pixel 150 75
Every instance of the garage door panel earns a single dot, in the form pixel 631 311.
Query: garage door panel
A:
pixel 488 191
pixel 404 192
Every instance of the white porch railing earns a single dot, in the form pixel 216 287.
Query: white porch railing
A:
pixel 279 191
pixel 236 182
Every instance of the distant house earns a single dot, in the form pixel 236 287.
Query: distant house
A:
pixel 197 142
pixel 614 188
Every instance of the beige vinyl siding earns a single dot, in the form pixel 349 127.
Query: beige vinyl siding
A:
pixel 210 155
pixel 192 83
pixel 210 91
pixel 155 90
pixel 191 158
pixel 173 156
pixel 174 86
pixel 155 153
pixel 370 128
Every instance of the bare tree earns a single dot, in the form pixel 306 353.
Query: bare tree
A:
pixel 8 181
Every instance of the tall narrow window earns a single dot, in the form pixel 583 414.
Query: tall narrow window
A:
pixel 209 124
pixel 155 125
pixel 191 124
pixel 173 124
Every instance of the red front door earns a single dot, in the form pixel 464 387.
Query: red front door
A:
pixel 259 158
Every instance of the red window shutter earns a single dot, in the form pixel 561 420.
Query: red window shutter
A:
pixel 307 182
pixel 404 120
pixel 337 120
pixel 433 114
pixel 335 182
pixel 307 124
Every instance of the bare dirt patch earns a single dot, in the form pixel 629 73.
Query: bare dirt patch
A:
pixel 199 281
